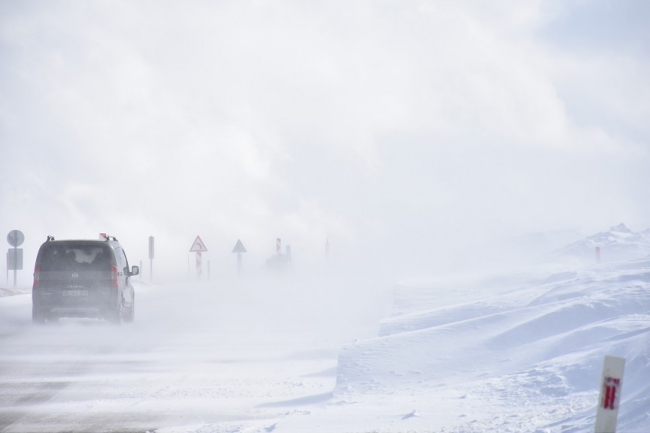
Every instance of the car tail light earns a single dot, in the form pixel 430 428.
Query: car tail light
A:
pixel 114 279
pixel 37 276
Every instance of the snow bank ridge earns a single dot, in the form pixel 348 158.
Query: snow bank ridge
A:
pixel 538 343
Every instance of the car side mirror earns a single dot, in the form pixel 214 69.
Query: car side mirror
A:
pixel 135 270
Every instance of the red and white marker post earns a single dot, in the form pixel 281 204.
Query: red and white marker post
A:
pixel 198 247
pixel 611 384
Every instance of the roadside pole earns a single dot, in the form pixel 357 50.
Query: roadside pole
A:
pixel 15 239
pixel 15 265
pixel 199 264
pixel 611 385
pixel 198 247
pixel 239 249
pixel 151 245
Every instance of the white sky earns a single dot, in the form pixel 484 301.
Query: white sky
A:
pixel 426 130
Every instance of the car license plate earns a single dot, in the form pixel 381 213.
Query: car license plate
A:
pixel 75 292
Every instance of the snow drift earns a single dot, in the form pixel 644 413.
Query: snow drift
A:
pixel 515 353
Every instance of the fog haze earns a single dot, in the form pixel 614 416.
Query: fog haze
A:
pixel 398 148
pixel 426 135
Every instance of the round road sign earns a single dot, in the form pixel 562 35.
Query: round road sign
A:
pixel 15 238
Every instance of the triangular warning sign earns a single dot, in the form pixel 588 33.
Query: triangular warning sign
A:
pixel 198 246
pixel 239 247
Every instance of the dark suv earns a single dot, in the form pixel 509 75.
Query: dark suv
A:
pixel 83 278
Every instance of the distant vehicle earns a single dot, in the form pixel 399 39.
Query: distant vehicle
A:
pixel 83 278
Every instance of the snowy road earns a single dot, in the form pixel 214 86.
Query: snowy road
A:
pixel 233 356
pixel 512 353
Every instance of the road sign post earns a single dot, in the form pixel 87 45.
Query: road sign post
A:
pixel 239 249
pixel 16 239
pixel 15 259
pixel 198 247
pixel 151 258
pixel 611 384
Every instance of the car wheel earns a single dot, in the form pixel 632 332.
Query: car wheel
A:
pixel 115 316
pixel 38 315
pixel 129 314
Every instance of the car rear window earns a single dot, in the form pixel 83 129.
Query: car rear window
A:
pixel 74 257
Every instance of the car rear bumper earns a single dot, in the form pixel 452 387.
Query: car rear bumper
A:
pixel 65 303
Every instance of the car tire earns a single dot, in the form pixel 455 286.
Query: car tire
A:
pixel 38 315
pixel 115 316
pixel 129 314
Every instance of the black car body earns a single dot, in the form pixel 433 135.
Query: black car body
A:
pixel 83 278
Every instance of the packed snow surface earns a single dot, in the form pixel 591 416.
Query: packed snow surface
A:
pixel 517 352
